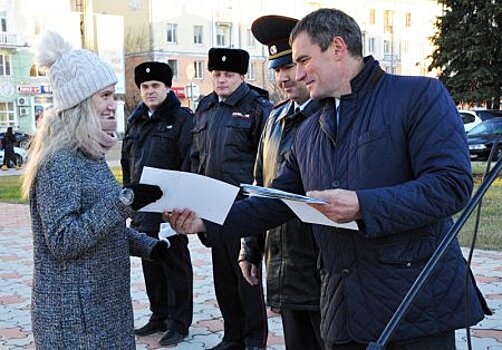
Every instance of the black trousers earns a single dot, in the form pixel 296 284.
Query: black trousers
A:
pixel 302 329
pixel 241 304
pixel 442 341
pixel 170 288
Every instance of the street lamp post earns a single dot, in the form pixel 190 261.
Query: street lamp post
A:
pixel 190 72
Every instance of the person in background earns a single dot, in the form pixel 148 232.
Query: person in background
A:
pixel 228 125
pixel 81 245
pixel 159 135
pixel 9 157
pixel 390 153
pixel 293 282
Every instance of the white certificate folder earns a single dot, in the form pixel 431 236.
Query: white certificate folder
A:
pixel 209 198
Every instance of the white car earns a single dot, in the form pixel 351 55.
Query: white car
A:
pixel 19 153
pixel 470 119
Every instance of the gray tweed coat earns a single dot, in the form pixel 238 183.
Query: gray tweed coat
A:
pixel 81 282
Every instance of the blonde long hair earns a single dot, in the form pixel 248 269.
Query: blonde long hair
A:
pixel 75 128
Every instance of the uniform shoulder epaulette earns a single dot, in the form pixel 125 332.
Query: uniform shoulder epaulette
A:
pixel 262 101
pixel 205 102
pixel 187 110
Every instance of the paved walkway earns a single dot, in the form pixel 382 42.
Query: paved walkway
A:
pixel 206 330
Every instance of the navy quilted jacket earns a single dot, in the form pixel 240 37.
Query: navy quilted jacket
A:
pixel 401 146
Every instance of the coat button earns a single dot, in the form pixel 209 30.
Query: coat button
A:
pixel 408 264
pixel 335 184
pixel 345 271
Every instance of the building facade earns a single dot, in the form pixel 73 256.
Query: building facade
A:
pixel 181 32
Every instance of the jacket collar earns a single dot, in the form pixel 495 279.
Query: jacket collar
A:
pixel 367 77
pixel 363 82
pixel 237 95
pixel 164 111
pixel 289 112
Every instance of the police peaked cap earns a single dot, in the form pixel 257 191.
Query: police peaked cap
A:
pixel 273 31
pixel 153 71
pixel 229 60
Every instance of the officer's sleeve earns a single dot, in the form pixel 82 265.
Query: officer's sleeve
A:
pixel 185 141
pixel 263 108
pixel 258 166
pixel 252 249
pixel 124 159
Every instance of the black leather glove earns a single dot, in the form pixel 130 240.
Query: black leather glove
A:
pixel 144 194
pixel 160 253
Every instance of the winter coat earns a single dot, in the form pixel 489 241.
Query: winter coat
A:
pixel 160 141
pixel 227 133
pixel 81 246
pixel 402 148
pixel 290 251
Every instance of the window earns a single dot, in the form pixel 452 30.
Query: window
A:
pixel 5 67
pixel 406 46
pixel 386 47
pixel 223 36
pixel 7 115
pixel 271 74
pixel 3 21
pixel 371 45
pixel 251 71
pixel 197 34
pixel 172 33
pixel 36 72
pixel 408 19
pixel 174 66
pixel 388 18
pixel 250 38
pixel 199 69
pixel 371 18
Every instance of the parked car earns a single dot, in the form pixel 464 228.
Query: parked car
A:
pixel 22 139
pixel 472 118
pixel 482 138
pixel 20 154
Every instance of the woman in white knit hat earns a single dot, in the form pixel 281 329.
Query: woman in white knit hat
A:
pixel 81 246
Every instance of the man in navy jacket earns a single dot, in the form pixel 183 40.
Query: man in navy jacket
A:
pixel 389 152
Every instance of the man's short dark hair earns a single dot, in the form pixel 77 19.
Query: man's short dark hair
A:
pixel 323 25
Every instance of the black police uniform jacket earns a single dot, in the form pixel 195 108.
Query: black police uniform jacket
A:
pixel 227 134
pixel 290 250
pixel 162 140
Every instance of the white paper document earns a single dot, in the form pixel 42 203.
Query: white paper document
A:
pixel 209 198
pixel 308 214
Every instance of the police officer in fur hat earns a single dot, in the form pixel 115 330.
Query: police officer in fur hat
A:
pixel 158 135
pixel 228 125
pixel 293 291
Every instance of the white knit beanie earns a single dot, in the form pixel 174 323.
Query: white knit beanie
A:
pixel 74 74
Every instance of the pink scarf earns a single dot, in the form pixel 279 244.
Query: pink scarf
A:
pixel 108 135
pixel 107 138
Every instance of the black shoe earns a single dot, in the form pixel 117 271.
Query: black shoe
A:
pixel 172 337
pixel 229 345
pixel 255 347
pixel 151 327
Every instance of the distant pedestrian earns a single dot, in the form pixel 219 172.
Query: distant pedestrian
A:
pixel 81 245
pixel 9 157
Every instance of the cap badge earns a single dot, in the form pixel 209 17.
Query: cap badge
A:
pixel 273 50
pixel 147 70
pixel 223 58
